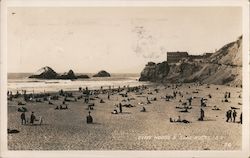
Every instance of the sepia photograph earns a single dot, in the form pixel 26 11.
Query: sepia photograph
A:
pixel 126 78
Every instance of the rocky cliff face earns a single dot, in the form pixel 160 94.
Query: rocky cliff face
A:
pixel 230 54
pixel 223 67
pixel 154 72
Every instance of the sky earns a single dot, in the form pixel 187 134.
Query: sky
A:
pixel 118 39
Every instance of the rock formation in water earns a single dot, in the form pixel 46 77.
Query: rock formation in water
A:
pixel 102 73
pixel 48 73
pixel 223 67
pixel 45 73
pixel 69 75
pixel 82 76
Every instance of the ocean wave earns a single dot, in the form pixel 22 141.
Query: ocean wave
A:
pixel 68 85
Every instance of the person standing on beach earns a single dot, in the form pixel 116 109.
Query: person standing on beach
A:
pixel 23 118
pixel 80 89
pixel 225 96
pixel 40 120
pixel 203 102
pixel 234 115
pixel 190 101
pixel 202 115
pixel 229 115
pixel 240 118
pixel 174 93
pixel 89 118
pixel 120 107
pixel 32 118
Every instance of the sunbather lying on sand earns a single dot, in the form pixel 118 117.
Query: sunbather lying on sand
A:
pixel 61 107
pixel 234 108
pixel 178 120
pixel 114 112
pixel 91 106
pixel 10 131
pixel 20 103
pixel 141 103
pixel 50 103
pixel 101 101
pixel 215 108
pixel 182 107
pixel 143 109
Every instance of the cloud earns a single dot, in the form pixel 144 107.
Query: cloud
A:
pixel 146 45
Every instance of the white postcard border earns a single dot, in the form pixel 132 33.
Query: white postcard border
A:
pixel 80 3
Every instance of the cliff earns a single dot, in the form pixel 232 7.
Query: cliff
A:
pixel 230 54
pixel 155 72
pixel 223 67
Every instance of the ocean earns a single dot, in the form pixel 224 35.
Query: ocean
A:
pixel 20 81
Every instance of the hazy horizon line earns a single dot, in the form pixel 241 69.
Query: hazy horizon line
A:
pixel 79 72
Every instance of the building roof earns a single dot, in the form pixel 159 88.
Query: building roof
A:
pixel 177 53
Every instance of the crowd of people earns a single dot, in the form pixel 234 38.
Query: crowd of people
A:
pixel 88 95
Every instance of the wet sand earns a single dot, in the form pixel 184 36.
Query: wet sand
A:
pixel 132 129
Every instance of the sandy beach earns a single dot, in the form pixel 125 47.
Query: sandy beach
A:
pixel 131 129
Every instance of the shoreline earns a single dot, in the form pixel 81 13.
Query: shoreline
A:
pixel 91 90
pixel 148 84
pixel 39 86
